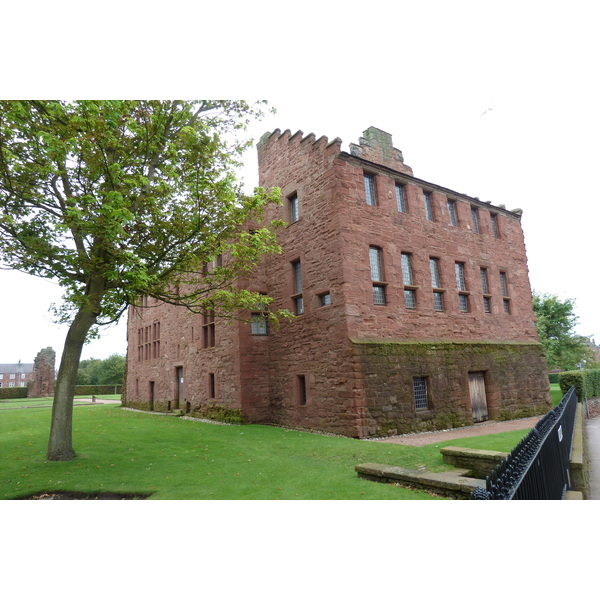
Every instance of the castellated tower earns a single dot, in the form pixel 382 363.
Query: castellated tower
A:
pixel 413 307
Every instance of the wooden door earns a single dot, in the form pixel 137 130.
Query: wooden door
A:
pixel 152 395
pixel 478 398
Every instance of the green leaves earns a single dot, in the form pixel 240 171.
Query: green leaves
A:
pixel 136 196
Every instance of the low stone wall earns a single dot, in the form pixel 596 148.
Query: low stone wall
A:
pixel 480 463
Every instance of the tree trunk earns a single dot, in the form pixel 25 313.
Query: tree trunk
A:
pixel 60 444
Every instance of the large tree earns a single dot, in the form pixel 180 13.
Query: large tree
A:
pixel 556 322
pixel 117 200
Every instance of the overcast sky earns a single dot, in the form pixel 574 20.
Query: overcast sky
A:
pixel 500 104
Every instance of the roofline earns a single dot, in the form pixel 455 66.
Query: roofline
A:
pixel 423 182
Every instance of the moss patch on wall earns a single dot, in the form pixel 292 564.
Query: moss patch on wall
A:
pixel 515 377
pixel 216 412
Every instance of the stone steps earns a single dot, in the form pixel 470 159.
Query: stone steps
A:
pixel 454 484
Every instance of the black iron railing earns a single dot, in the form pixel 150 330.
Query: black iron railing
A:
pixel 538 467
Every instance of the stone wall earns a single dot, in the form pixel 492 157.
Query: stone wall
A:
pixel 42 383
pixel 515 380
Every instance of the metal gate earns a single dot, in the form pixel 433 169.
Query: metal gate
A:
pixel 478 398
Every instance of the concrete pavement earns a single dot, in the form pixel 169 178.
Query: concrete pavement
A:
pixel 592 440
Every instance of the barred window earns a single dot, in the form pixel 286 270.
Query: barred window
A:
pixel 401 198
pixel 475 217
pixel 370 189
pixel 463 303
pixel 379 295
pixel 487 304
pixel 258 324
pixel 452 212
pixel 506 303
pixel 438 301
pixel 410 298
pixel 420 392
pixel 428 207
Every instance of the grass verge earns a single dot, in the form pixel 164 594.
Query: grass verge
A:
pixel 171 458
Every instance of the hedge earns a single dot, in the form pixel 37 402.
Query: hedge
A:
pixel 13 392
pixel 93 390
pixel 586 382
pixel 554 377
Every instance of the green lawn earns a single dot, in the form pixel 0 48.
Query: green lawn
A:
pixel 172 458
pixel 555 394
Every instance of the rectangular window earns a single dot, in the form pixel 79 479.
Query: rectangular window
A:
pixel 410 298
pixel 156 340
pixel 452 212
pixel 461 285
pixel 301 389
pixel 294 208
pixel 503 284
pixel 258 324
pixel 297 297
pixel 505 294
pixel 487 304
pixel 428 206
pixel 410 294
pixel 420 392
pixel 485 289
pixel 463 303
pixel 495 229
pixel 484 281
pixel 208 329
pixel 436 283
pixel 325 299
pixel 401 198
pixel 475 217
pixel 407 276
pixel 375 263
pixel 370 189
pixel 211 386
pixel 11 376
pixel 434 267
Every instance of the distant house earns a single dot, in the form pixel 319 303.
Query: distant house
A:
pixel 16 374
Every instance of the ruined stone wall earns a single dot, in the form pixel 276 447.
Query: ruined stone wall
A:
pixel 42 382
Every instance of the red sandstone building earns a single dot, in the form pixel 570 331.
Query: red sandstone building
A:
pixel 413 306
